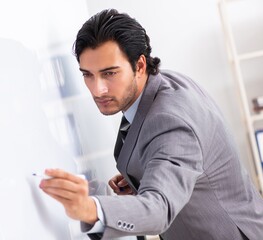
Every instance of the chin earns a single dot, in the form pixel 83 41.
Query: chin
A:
pixel 108 113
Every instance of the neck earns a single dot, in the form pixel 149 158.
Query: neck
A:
pixel 142 83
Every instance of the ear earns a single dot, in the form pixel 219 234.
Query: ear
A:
pixel 141 65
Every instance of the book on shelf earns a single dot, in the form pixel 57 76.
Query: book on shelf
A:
pixel 258 104
pixel 259 138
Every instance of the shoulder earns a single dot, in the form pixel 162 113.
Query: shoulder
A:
pixel 181 101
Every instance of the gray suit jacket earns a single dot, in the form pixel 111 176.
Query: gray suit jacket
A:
pixel 180 159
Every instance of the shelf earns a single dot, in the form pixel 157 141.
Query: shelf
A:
pixel 62 106
pixel 235 58
pixel 258 117
pixel 152 237
pixel 232 0
pixel 250 55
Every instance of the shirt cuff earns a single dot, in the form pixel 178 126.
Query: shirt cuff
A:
pixel 99 226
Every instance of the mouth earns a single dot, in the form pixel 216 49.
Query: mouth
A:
pixel 103 101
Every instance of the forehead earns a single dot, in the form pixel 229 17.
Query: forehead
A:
pixel 106 55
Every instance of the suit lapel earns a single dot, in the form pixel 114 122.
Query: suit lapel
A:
pixel 143 108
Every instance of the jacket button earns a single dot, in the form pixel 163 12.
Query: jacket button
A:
pixel 119 223
pixel 132 227
pixel 124 225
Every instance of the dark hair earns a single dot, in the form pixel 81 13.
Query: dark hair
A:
pixel 109 25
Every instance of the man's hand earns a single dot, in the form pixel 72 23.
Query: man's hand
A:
pixel 120 186
pixel 73 192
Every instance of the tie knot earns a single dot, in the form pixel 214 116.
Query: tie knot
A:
pixel 123 131
pixel 124 124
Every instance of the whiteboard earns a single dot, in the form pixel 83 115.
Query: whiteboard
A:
pixel 59 129
pixel 26 146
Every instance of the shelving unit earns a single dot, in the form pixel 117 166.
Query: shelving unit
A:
pixel 250 119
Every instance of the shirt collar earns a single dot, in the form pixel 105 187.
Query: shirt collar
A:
pixel 131 111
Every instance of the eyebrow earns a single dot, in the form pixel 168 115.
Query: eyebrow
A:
pixel 102 70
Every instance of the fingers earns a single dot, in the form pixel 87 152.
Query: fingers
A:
pixel 119 185
pixel 58 173
pixel 58 193
pixel 122 183
pixel 54 195
pixel 58 183
pixel 71 191
pixel 125 191
pixel 63 185
pixel 113 182
pixel 78 207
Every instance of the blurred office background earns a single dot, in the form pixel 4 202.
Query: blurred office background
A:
pixel 48 119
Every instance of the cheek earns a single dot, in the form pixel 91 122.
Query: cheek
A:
pixel 89 86
pixel 127 90
pixel 119 90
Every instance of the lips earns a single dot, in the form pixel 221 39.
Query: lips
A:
pixel 103 101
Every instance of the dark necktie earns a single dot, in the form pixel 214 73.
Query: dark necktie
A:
pixel 123 131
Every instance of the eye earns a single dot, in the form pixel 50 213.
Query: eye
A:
pixel 86 74
pixel 109 74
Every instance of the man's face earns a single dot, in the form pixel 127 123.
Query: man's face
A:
pixel 109 77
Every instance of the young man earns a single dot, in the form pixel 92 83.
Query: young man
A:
pixel 180 172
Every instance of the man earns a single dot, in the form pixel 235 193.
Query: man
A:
pixel 180 171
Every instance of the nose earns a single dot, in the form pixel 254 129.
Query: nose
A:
pixel 100 87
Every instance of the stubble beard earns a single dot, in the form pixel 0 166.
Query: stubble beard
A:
pixel 126 101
